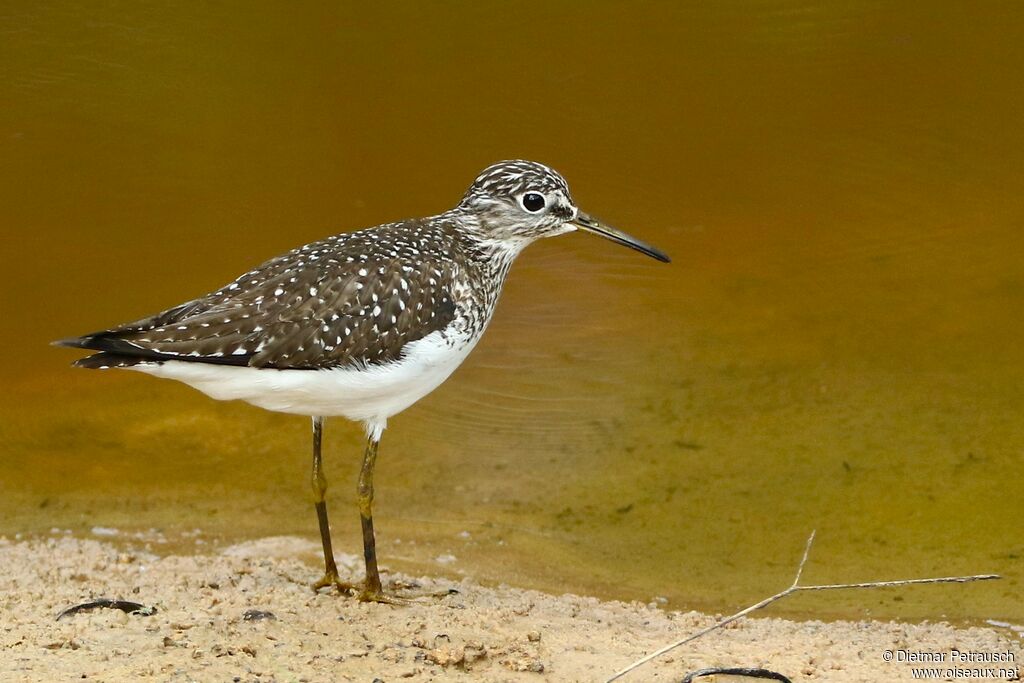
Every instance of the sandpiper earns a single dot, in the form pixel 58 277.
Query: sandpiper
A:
pixel 359 325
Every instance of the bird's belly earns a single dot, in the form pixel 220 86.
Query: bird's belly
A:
pixel 373 393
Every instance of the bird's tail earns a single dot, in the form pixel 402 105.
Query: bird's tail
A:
pixel 115 353
pixel 105 360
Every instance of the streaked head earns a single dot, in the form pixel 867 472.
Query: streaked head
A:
pixel 520 201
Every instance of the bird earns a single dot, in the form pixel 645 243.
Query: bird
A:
pixel 359 325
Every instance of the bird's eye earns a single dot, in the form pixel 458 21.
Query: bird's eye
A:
pixel 533 202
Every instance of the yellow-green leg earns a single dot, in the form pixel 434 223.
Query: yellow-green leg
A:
pixel 330 577
pixel 372 590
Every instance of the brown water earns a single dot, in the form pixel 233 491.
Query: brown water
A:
pixel 837 345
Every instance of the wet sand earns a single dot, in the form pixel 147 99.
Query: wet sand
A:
pixel 246 613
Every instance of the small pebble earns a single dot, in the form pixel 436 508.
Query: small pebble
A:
pixel 258 615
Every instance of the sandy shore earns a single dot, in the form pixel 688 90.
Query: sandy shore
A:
pixel 247 614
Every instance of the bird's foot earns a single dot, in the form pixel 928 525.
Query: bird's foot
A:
pixel 377 595
pixel 416 591
pixel 331 579
pixel 374 592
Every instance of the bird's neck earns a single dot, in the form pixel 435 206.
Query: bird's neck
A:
pixel 485 262
pixel 481 238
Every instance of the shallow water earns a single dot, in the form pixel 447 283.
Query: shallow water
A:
pixel 836 346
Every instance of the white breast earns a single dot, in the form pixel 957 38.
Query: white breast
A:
pixel 371 394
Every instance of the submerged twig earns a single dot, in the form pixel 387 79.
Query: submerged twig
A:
pixel 796 587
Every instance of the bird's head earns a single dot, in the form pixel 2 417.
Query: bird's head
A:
pixel 517 202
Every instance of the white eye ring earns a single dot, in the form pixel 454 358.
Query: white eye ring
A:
pixel 529 202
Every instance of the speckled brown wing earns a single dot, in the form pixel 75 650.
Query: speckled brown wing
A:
pixel 350 300
pixel 359 319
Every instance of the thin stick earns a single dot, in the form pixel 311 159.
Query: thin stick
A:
pixel 803 560
pixel 796 587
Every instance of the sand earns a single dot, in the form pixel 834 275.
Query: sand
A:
pixel 246 613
